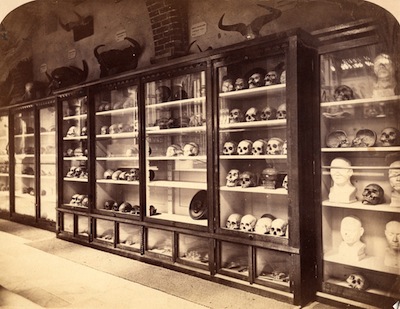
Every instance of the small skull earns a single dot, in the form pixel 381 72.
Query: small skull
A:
pixel 245 147
pixel 116 174
pixel 259 147
pixel 255 80
pixel 281 111
pixel 78 171
pixel 227 85
pixel 133 174
pixel 373 194
pixel 263 225
pixel 390 137
pixel 252 114
pixel 174 150
pixel 80 199
pixel 73 131
pixel 232 179
pixel 125 207
pixel 108 204
pixel 275 146
pixel 240 84
pixel 268 113
pixel 74 199
pixel 236 115
pixel 284 148
pixel 233 222
pixel 191 149
pixel 269 177
pixel 135 210
pixel 71 172
pixel 343 93
pixel 271 78
pixel 247 223
pixel 85 201
pixel 248 179
pixel 84 131
pixel 285 183
pixel 108 174
pixel 113 129
pixel 364 138
pixel 104 130
pixel 230 148
pixel 357 281
pixel 278 227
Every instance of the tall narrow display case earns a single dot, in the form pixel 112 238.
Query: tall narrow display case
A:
pixel 359 174
pixel 33 162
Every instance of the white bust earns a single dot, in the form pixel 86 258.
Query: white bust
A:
pixel 351 248
pixel 394 180
pixel 392 233
pixel 342 190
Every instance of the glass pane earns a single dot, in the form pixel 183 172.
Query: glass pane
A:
pixel 105 230
pixel 272 266
pixel 193 249
pixel 234 260
pixel 159 242
pixel 130 236
pixel 176 135
pixel 252 147
pixel 4 165
pixel 24 146
pixel 48 184
pixel 360 161
pixel 117 151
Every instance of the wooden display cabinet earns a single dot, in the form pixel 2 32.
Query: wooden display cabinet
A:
pixel 4 164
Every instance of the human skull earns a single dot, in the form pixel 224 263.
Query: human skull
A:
pixel 115 206
pixel 284 148
pixel 281 111
pixel 78 172
pixel 85 201
pixel 84 131
pixel 285 183
pixel 236 115
pixel 259 147
pixel 79 199
pixel 122 176
pixel 232 178
pixel 133 174
pixel 248 179
pixel 275 146
pixel 135 210
pixel 227 85
pixel 113 129
pixel 337 139
pixel 131 152
pixel 233 222
pixel 245 147
pixel 268 113
pixel 247 223
pixel 73 131
pixel 230 148
pixel 343 93
pixel 74 199
pixel 357 281
pixel 390 137
pixel 278 227
pixel 116 174
pixel 255 80
pixel 191 149
pixel 104 130
pixel 364 138
pixel 373 194
pixel 252 114
pixel 108 174
pixel 125 207
pixel 271 78
pixel 71 172
pixel 263 225
pixel 174 150
pixel 283 77
pixel 108 205
pixel 269 177
pixel 239 84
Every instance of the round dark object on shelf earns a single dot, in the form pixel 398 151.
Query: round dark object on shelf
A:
pixel 198 208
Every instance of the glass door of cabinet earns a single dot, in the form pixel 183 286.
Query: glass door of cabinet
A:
pixel 117 150
pixel 175 110
pixel 24 162
pixel 253 168
pixel 360 168
pixel 4 163
pixel 74 156
pixel 48 182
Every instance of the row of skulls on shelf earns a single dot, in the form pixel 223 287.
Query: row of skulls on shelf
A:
pixel 131 175
pixel 272 146
pixel 270 179
pixel 389 136
pixel 77 172
pixel 81 200
pixel 120 127
pixel 179 122
pixel 257 78
pixel 75 131
pixel 189 149
pixel 266 225
pixel 77 152
pixel 254 114
pixel 107 106
pixel 124 207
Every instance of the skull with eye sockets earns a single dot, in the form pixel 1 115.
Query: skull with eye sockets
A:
pixel 232 178
pixel 285 182
pixel 279 227
pixel 125 207
pixel 256 80
pixel 247 223
pixel 373 194
pixel 233 222
pixel 230 148
pixel 357 281
pixel 108 174
pixel 268 113
pixel 281 111
pixel 104 130
pixel 135 210
pixel 113 129
pixel 227 85
pixel 73 131
pixel 236 115
pixel 263 225
pixel 174 150
pixel 248 179
pixel 240 84
pixel 133 174
pixel 79 199
pixel 275 146
pixel 245 147
pixel 74 199
pixel 271 78
pixel 71 172
pixel 390 137
pixel 252 114
pixel 191 149
pixel 259 147
pixel 108 205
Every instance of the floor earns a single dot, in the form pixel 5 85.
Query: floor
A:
pixel 38 270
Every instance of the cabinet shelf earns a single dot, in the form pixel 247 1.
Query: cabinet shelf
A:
pixel 252 157
pixel 179 218
pixel 118 182
pixel 4 175
pixel 178 184
pixel 121 111
pixel 80 158
pixel 76 179
pixel 117 135
pixel 362 101
pixel 48 134
pixel 24 176
pixel 23 156
pixel 360 206
pixel 24 135
pixel 74 138
pixel 177 102
pixel 362 149
pixel 157 131
pixel 83 116
pixel 258 189
pixel 254 92
pixel 178 158
pixel 117 158
pixel 242 126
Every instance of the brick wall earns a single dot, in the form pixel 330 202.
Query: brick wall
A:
pixel 169 25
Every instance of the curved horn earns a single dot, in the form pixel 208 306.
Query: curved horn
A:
pixel 96 53
pixel 261 21
pixel 135 44
pixel 240 27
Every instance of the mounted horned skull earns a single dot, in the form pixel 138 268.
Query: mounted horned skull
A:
pixel 67 76
pixel 115 61
pixel 252 30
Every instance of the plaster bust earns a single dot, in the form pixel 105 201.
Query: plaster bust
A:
pixel 352 247
pixel 385 80
pixel 342 190
pixel 394 180
pixel 392 233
